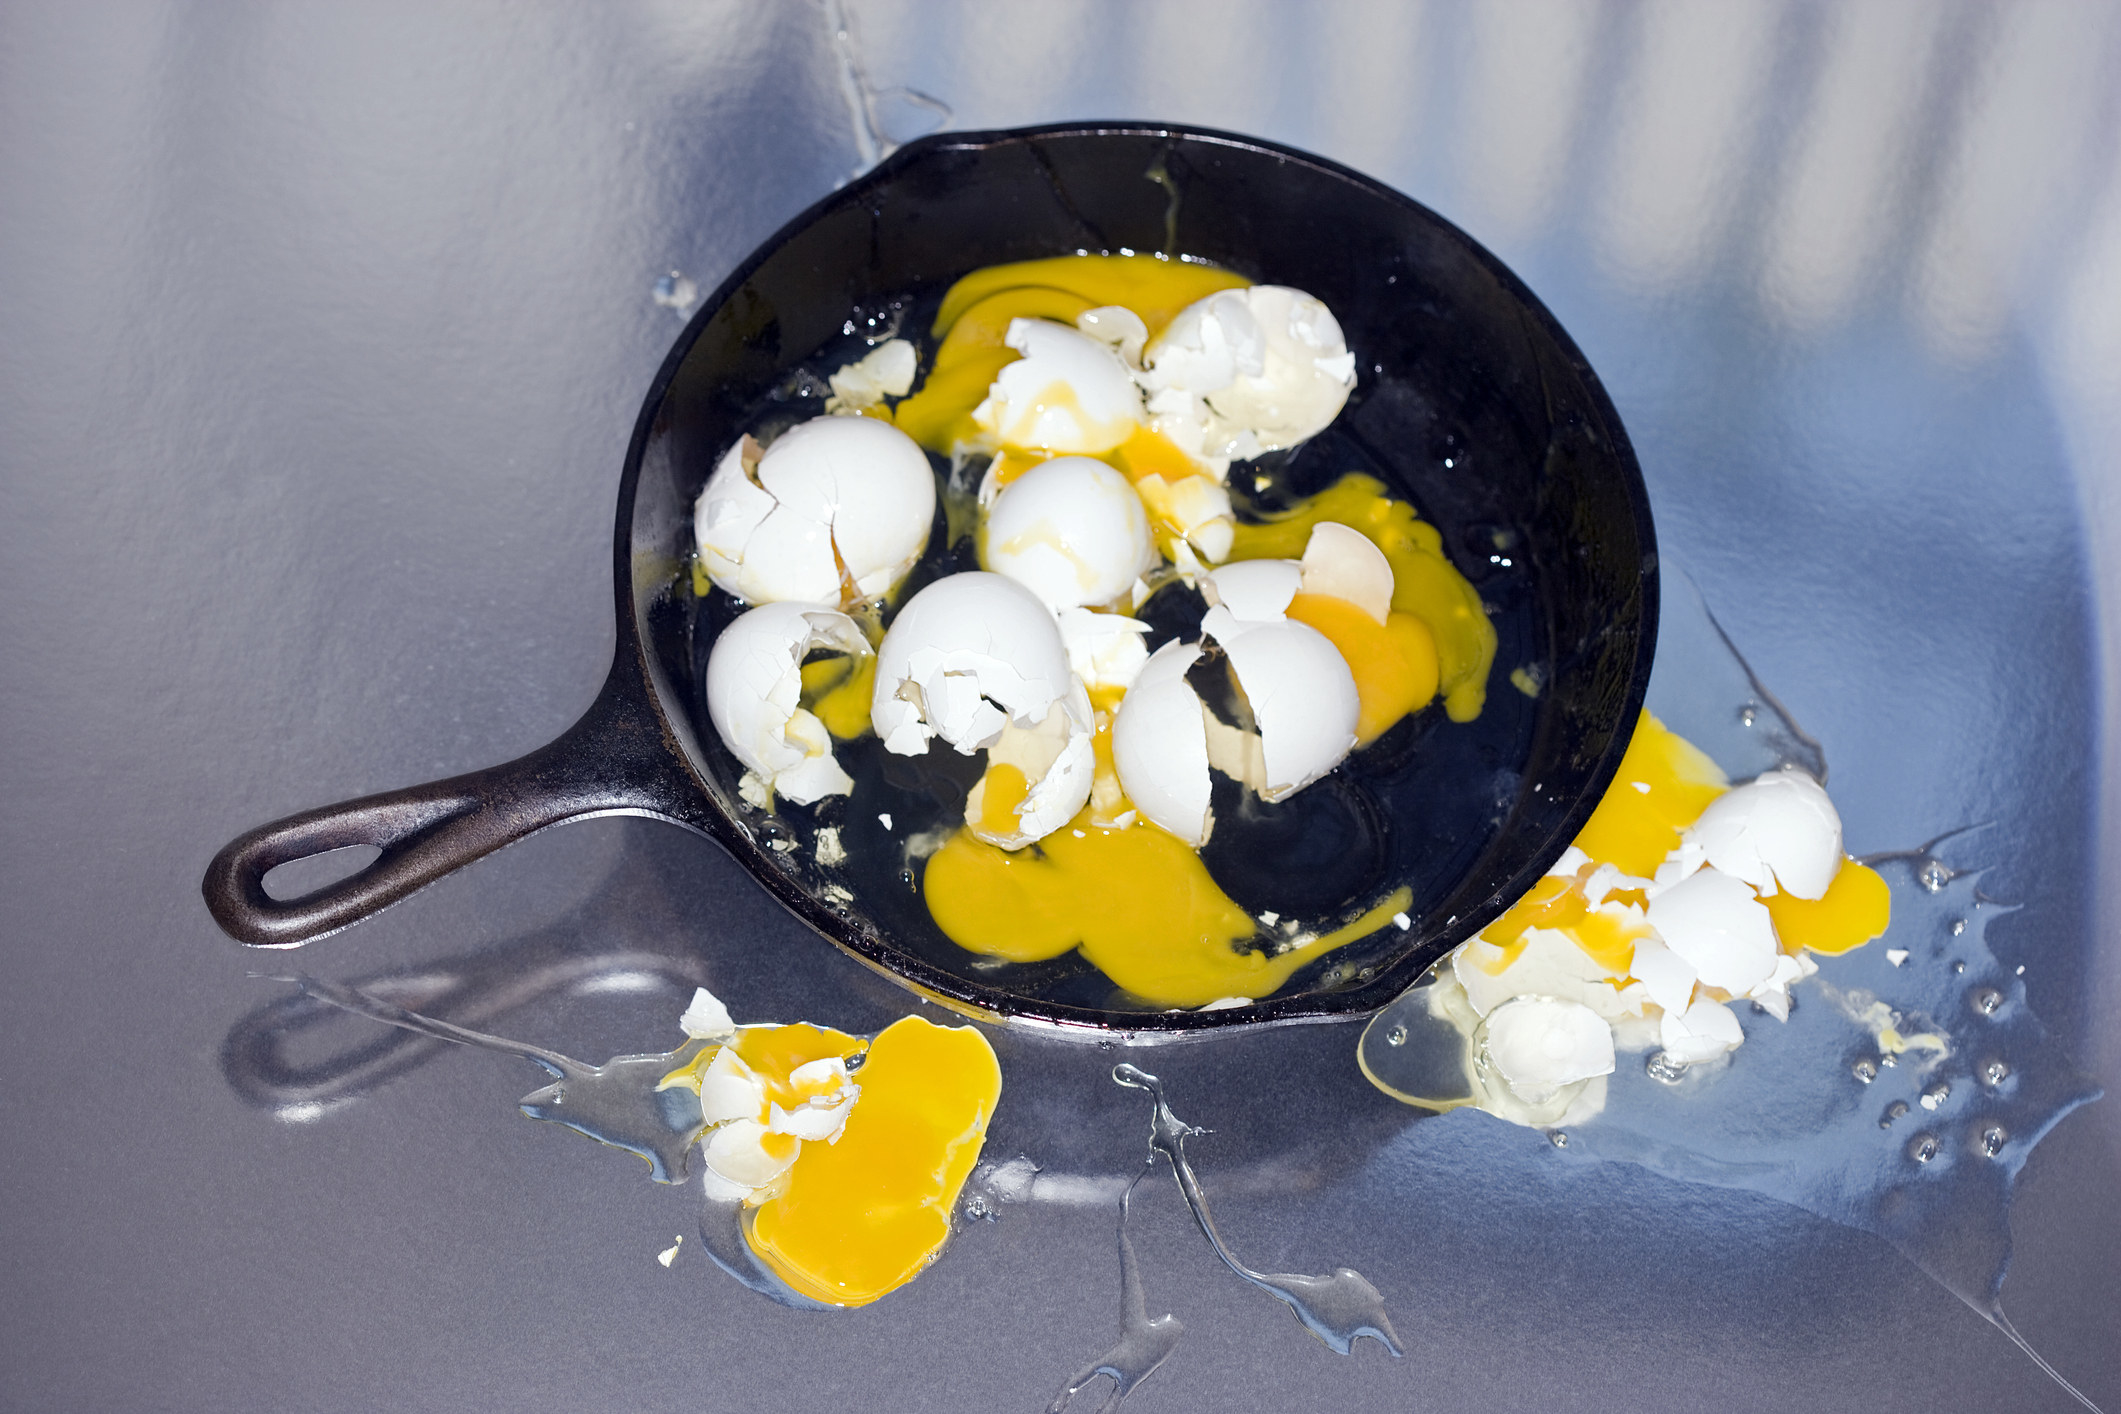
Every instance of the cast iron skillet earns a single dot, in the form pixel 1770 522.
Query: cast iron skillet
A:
pixel 1471 402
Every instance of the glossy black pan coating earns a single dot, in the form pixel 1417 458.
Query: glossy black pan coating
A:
pixel 1470 401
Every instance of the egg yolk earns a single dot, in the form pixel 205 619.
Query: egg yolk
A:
pixel 1854 910
pixel 1007 789
pixel 1394 662
pixel 1137 901
pixel 1424 582
pixel 859 1217
pixel 1663 785
pixel 1154 288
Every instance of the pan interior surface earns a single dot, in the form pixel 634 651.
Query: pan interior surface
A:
pixel 1470 403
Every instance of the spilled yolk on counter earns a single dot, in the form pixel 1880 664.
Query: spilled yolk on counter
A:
pixel 1853 911
pixel 1394 662
pixel 1425 583
pixel 1137 901
pixel 859 1217
pixel 1663 784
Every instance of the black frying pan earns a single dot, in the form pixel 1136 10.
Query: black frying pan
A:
pixel 1471 402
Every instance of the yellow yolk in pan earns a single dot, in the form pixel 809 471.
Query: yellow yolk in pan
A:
pixel 837 691
pixel 1394 662
pixel 1424 582
pixel 859 1217
pixel 1137 901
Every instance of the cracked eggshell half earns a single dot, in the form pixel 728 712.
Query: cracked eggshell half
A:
pixel 965 657
pixel 1267 367
pixel 1068 393
pixel 754 694
pixel 1160 745
pixel 1714 922
pixel 1541 1044
pixel 779 524
pixel 1779 831
pixel 1072 531
pixel 1302 695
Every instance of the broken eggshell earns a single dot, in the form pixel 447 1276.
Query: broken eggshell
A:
pixel 1072 531
pixel 1779 831
pixel 754 696
pixel 836 509
pixel 1256 369
pixel 1160 745
pixel 1055 758
pixel 1068 393
pixel 965 657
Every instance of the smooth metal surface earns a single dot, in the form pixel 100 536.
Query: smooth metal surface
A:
pixel 323 329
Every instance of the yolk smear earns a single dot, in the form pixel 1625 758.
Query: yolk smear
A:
pixel 1554 902
pixel 840 698
pixel 1609 940
pixel 861 1217
pixel 1109 806
pixel 1424 583
pixel 1394 662
pixel 1664 783
pixel 1011 464
pixel 1006 790
pixel 1153 288
pixel 1137 901
pixel 1855 909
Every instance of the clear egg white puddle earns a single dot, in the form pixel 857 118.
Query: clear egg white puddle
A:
pixel 1922 1147
pixel 1143 1344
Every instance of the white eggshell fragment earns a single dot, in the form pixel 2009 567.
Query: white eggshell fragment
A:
pixel 1301 692
pixel 1345 563
pixel 730 1089
pixel 1548 964
pixel 754 692
pixel 1255 591
pixel 966 656
pixel 1104 650
pixel 779 524
pixel 1118 328
pixel 1779 831
pixel 706 1018
pixel 1541 1044
pixel 738 1152
pixel 886 370
pixel 1702 1032
pixel 1068 393
pixel 1072 531
pixel 1160 745
pixel 1715 923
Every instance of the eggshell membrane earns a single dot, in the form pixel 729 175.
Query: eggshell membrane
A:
pixel 1777 832
pixel 754 690
pixel 1072 531
pixel 1160 745
pixel 1068 393
pixel 854 483
pixel 1302 695
pixel 982 650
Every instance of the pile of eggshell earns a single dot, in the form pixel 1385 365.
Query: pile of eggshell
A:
pixel 1550 1021
pixel 836 511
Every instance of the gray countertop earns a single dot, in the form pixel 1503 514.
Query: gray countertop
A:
pixel 322 332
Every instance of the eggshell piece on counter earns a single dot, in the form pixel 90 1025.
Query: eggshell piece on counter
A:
pixel 1160 745
pixel 966 656
pixel 831 492
pixel 1705 1030
pixel 1072 531
pixel 1715 923
pixel 1068 393
pixel 1777 832
pixel 754 690
pixel 1541 1044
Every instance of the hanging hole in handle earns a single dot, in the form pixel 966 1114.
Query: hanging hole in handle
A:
pixel 299 878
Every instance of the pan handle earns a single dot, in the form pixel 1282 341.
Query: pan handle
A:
pixel 617 760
